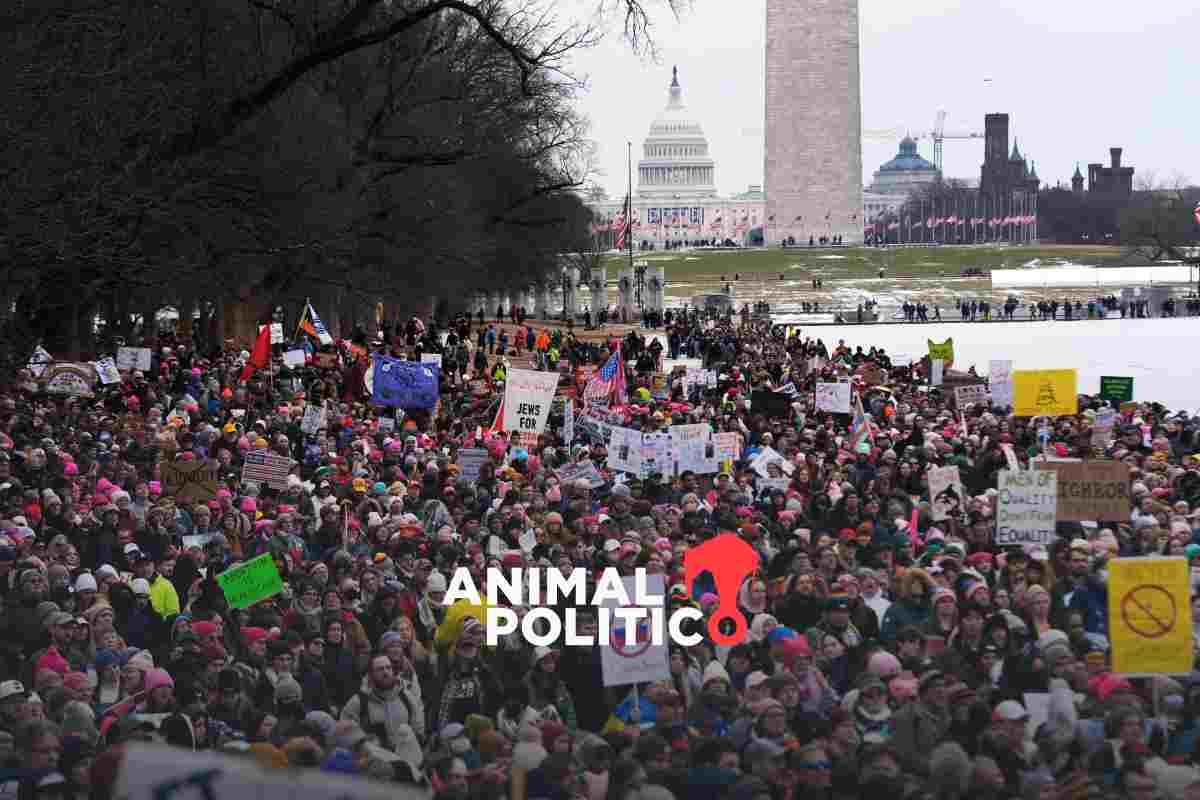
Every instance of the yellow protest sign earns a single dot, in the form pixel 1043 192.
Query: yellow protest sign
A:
pixel 1150 615
pixel 942 352
pixel 1044 393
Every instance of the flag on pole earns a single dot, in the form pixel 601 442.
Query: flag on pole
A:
pixel 860 426
pixel 260 357
pixel 608 382
pixel 311 324
pixel 1197 213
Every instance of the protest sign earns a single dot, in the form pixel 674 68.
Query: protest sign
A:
pixel 251 581
pixel 1025 508
pixel 131 358
pixel 470 460
pixel 276 333
pixel 314 419
pixel 768 456
pixel 593 428
pixel 1000 383
pixel 1010 456
pixel 937 372
pixel 943 352
pixel 767 485
pixel 403 384
pixel 657 455
pixel 106 368
pixel 432 358
pixel 970 395
pixel 833 397
pixel 386 424
pixel 726 446
pixel 1115 388
pixel 39 361
pixel 569 423
pixel 1091 490
pixel 660 386
pixel 527 398
pixel 625 450
pixel 581 470
pixel 293 358
pixel 1150 616
pixel 773 404
pixel 262 466
pixel 1102 427
pixel 70 378
pixel 946 493
pixel 190 481
pixel 1044 392
pixel 642 662
pixel 200 540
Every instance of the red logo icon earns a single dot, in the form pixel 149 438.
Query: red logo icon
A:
pixel 729 560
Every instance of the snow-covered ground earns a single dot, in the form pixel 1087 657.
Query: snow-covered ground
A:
pixel 1077 275
pixel 1158 353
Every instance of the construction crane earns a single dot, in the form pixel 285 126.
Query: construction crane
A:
pixel 939 135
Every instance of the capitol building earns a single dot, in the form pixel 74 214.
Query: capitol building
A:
pixel 675 200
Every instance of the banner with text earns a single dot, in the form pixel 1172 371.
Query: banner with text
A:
pixel 527 398
pixel 1091 490
pixel 1026 507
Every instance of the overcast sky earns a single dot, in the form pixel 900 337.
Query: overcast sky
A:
pixel 1076 78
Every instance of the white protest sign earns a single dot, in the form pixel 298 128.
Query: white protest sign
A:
pixel 970 395
pixel 568 423
pixel 694 449
pixel 768 456
pixel 314 419
pixel 159 772
pixel 293 358
pixel 833 397
pixel 726 447
pixel 946 493
pixel 276 333
pixel 1001 383
pixel 470 461
pixel 1026 507
pixel 768 485
pixel 131 358
pixel 656 454
pixel 641 662
pixel 38 362
pixel 937 369
pixel 106 368
pixel 432 358
pixel 1010 455
pixel 387 424
pixel 625 450
pixel 527 398
pixel 1102 427
pixel 199 540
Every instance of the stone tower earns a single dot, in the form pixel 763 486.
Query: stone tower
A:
pixel 813 166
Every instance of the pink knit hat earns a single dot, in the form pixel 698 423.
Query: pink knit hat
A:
pixel 54 662
pixel 157 678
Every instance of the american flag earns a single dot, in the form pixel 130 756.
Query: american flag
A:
pixel 608 384
pixel 261 466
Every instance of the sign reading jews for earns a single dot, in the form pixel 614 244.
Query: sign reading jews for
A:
pixel 250 582
pixel 1150 616
pixel 527 398
pixel 1025 511
pixel 1091 490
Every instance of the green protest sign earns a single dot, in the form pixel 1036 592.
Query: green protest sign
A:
pixel 246 584
pixel 1115 388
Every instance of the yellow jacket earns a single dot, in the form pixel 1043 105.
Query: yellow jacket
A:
pixel 163 597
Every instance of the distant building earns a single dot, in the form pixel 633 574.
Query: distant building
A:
pixel 1114 181
pixel 1004 174
pixel 907 173
pixel 675 200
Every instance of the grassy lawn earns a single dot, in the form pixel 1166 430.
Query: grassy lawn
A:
pixel 864 262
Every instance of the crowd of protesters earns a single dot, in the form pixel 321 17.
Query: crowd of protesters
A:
pixel 882 659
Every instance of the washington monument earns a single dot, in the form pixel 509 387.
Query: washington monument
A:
pixel 813 121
